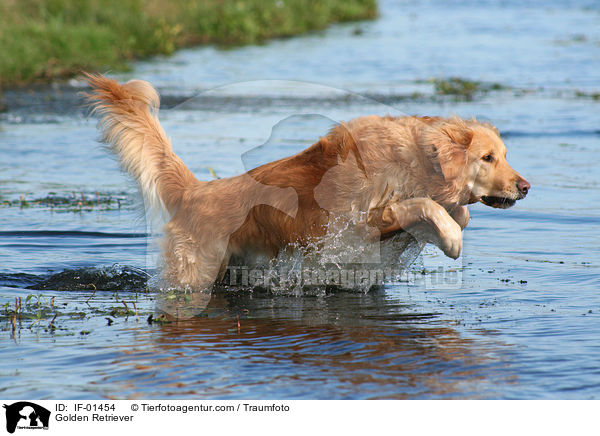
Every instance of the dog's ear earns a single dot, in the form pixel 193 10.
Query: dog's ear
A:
pixel 451 141
pixel 458 132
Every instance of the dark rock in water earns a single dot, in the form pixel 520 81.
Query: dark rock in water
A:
pixel 114 278
pixel 18 280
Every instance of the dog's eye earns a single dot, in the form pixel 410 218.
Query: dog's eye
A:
pixel 488 158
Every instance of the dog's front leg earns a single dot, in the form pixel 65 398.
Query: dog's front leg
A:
pixel 412 215
pixel 461 215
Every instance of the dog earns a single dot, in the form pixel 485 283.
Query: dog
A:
pixel 383 175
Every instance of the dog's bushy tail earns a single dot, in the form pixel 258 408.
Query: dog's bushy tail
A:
pixel 130 127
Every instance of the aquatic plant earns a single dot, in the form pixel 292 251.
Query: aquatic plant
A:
pixel 463 89
pixel 75 202
pixel 592 95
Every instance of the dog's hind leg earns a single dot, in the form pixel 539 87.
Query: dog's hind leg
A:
pixel 191 263
pixel 224 267
pixel 419 217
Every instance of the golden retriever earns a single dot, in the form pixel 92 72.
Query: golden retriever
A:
pixel 382 174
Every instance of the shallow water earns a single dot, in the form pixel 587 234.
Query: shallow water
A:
pixel 517 316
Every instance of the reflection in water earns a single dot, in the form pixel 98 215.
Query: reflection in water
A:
pixel 346 345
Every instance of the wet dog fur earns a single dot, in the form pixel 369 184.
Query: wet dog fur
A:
pixel 387 174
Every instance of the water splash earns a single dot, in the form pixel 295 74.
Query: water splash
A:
pixel 343 259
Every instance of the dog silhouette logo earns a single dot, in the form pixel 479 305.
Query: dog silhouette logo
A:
pixel 26 415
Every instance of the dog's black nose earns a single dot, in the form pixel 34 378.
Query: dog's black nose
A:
pixel 523 187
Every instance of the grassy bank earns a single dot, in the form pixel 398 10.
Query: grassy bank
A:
pixel 47 39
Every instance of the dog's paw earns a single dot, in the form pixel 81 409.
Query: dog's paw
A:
pixel 451 240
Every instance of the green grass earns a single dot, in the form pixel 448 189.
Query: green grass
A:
pixel 48 39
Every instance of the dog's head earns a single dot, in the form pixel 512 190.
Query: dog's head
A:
pixel 472 155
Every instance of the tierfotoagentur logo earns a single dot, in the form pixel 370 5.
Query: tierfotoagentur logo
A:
pixel 24 415
pixel 343 277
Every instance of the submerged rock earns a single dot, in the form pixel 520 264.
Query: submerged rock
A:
pixel 114 278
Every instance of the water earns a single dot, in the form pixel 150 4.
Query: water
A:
pixel 517 316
